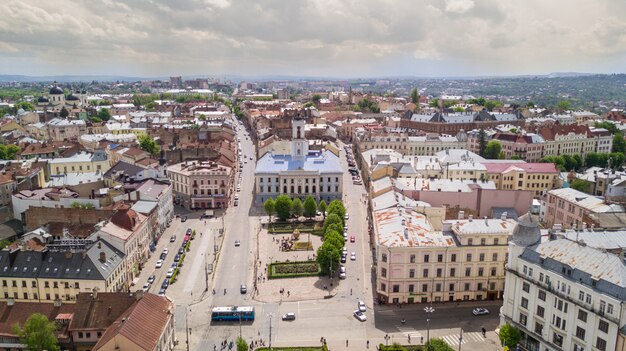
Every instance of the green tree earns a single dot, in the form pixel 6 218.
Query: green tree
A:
pixel 310 207
pixel 269 206
pixel 438 345
pixel 479 101
pixel 242 345
pixel 492 151
pixel 482 142
pixel 367 105
pixel 619 144
pixel 333 226
pixel 579 185
pixel 202 117
pixel 608 126
pixel 147 144
pixel 563 105
pixel 332 218
pixel 308 104
pixel 283 207
pixel 315 99
pixel 322 207
pixel 459 109
pixel 337 207
pixel 24 105
pixel 335 239
pixel 616 159
pixel 7 152
pixel 64 112
pixel 104 114
pixel 415 98
pixel 509 336
pixel 296 207
pixel 38 333
pixel 4 243
pixel 490 105
pixel 328 257
pixel 434 103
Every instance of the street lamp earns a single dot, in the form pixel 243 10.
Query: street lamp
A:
pixel 428 310
pixel 387 339
pixel 270 315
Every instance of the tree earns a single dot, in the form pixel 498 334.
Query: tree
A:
pixel 38 333
pixel 310 207
pixel 147 144
pixel 608 126
pixel 333 227
pixel 438 345
pixel 283 207
pixel 619 144
pixel 328 257
pixel 337 207
pixel 482 142
pixel 415 98
pixel 509 336
pixel 579 185
pixel 7 152
pixel 316 99
pixel 269 206
pixel 296 207
pixel 202 117
pixel 563 105
pixel 322 207
pixel 104 114
pixel 332 219
pixel 24 105
pixel 492 151
pixel 490 105
pixel 434 103
pixel 64 112
pixel 335 239
pixel 242 345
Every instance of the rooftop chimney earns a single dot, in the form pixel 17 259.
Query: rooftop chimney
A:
pixel 461 214
pixel 503 216
pixel 470 217
pixel 103 257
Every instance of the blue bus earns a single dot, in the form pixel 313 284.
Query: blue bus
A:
pixel 232 313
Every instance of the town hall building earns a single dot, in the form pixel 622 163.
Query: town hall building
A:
pixel 299 174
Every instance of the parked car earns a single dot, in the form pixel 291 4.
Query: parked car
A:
pixel 343 259
pixel 360 316
pixel 151 279
pixel 165 284
pixel 243 289
pixel 162 292
pixel 170 273
pixel 173 238
pixel 145 287
pixel 163 255
pixel 352 238
pixel 480 311
pixel 166 251
pixel 353 256
pixel 237 242
pixel 159 264
pixel 184 219
pixel 362 306
pixel 181 251
pixel 289 316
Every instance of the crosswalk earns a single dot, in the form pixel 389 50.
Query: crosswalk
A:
pixel 453 340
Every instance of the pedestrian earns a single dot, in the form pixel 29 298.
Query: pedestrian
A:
pixel 287 293
pixel 350 291
pixel 368 344
pixel 346 342
pixel 422 340
pixel 409 338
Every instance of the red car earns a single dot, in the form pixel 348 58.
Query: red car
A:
pixel 352 238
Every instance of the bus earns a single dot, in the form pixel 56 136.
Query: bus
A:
pixel 232 313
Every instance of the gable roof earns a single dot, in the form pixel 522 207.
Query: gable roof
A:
pixel 100 310
pixel 142 323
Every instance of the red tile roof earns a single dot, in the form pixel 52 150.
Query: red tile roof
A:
pixel 527 167
pixel 142 323
pixel 551 132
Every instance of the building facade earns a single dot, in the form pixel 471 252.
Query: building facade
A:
pixel 569 208
pixel 201 184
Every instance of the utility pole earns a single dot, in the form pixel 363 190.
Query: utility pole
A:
pixel 187 328
pixel 460 339
pixel 206 274
pixel 270 341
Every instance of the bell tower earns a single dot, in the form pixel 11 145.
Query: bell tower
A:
pixel 299 144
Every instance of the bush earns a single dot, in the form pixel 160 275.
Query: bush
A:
pixel 293 269
pixel 302 246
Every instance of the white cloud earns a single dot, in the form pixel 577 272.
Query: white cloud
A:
pixel 459 6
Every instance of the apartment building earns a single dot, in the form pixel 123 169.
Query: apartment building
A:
pixel 46 275
pixel 411 145
pixel 80 162
pixel 566 293
pixel 536 177
pixel 574 139
pixel 161 193
pixel 201 184
pixel 570 208
pixel 419 261
pixel 60 129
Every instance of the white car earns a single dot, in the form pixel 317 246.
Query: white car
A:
pixel 166 250
pixel 170 273
pixel 480 311
pixel 361 306
pixel 353 256
pixel 159 264
pixel 360 316
pixel 346 217
pixel 145 287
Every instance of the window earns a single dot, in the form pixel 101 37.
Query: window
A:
pixel 424 287
pixel 493 271
pixel 384 258
pixel 483 241
pixel 582 315
pixel 557 339
pixel 80 335
pixel 481 257
pixel 451 287
pixel 470 242
pixel 540 311
pixel 480 271
pixel 479 286
pixel 411 288
pixel 522 319
pixel 526 287
pixel 495 242
pixel 438 287
pixel 55 285
pixel 588 299
pixel 412 258
pixel 453 258
pixel 609 309
pixel 426 258
pixel 538 328
pixel 542 295
pixel 601 344
pixel 425 273
pixel 602 307
pixel 439 271
pixel 468 271
pixel 581 295
pixel 469 257
pixel 603 326
pixel 466 287
pixel 411 273
pixel 494 257
pixel 452 272
pixel 524 302
pixel 25 296
pixel 383 287
pixel 383 272
pixel 580 333
pixel 34 284
pixel 23 283
pixel 440 258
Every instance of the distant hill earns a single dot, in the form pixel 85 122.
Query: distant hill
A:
pixel 69 78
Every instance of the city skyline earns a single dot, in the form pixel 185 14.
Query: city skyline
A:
pixel 312 38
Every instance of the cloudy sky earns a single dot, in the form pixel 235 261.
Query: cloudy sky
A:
pixel 340 38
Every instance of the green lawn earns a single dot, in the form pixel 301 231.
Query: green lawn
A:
pixel 303 348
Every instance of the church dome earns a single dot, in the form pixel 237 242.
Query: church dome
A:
pixel 72 97
pixel 56 91
pixel 42 99
pixel 527 231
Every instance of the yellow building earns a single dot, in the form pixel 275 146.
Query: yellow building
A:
pixel 45 276
pixel 81 162
pixel 535 177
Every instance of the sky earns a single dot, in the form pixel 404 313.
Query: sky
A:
pixel 329 38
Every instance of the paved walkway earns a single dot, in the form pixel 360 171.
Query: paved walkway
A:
pixel 297 289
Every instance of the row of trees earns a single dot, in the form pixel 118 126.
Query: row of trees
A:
pixel 575 162
pixel 329 254
pixel 284 207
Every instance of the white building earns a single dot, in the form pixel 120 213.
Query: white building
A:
pixel 301 173
pixel 565 294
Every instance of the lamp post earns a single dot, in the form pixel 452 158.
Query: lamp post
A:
pixel 270 315
pixel 428 311
pixel 387 339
